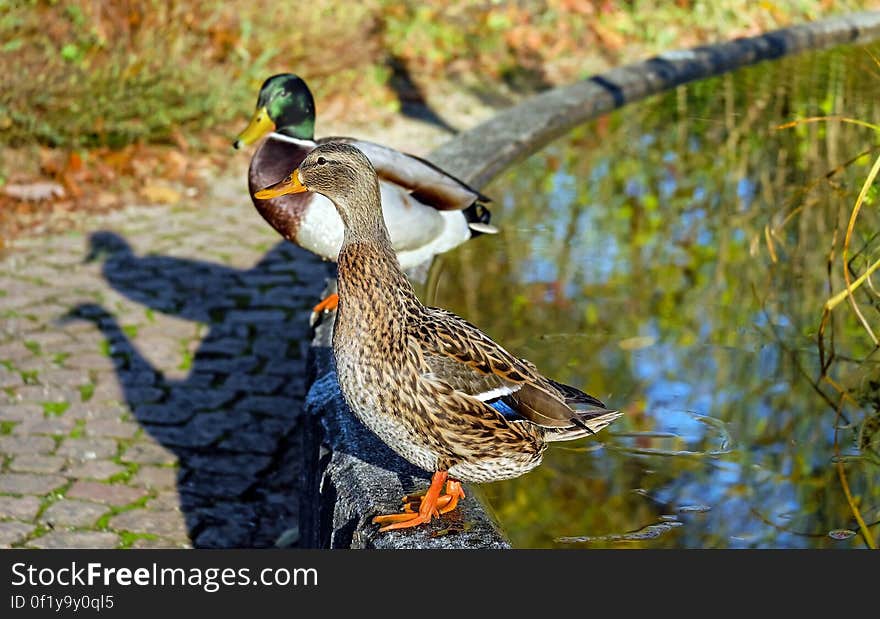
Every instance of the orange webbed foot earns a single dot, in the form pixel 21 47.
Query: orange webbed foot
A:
pixel 454 493
pixel 431 504
pixel 401 521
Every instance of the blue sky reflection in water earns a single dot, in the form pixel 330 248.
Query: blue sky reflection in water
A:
pixel 671 258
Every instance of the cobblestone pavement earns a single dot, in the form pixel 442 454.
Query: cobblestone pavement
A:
pixel 151 380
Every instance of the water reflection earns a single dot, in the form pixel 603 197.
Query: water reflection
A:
pixel 672 258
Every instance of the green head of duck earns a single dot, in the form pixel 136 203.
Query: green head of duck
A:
pixel 285 105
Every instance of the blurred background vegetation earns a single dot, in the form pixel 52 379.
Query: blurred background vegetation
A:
pixel 141 97
pixel 84 73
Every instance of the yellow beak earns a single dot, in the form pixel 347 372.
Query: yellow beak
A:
pixel 259 126
pixel 291 184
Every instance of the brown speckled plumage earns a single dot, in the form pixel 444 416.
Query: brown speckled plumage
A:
pixel 387 379
pixel 420 377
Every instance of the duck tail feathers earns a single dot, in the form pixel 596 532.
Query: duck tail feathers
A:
pixel 585 424
pixel 590 415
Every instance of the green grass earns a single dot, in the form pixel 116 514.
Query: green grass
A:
pixel 128 538
pixel 40 531
pixel 103 523
pixel 92 74
pixel 30 377
pixel 50 498
pixel 86 391
pixel 79 429
pixel 131 469
pixel 112 74
pixel 186 362
pixel 55 409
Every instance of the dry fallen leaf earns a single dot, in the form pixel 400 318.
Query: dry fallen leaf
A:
pixel 175 164
pixel 34 192
pixel 609 38
pixel 160 194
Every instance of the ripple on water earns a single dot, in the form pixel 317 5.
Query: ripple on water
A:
pixel 651 531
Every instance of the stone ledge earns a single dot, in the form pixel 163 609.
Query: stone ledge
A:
pixel 479 154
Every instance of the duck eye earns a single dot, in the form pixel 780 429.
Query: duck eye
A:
pixel 321 161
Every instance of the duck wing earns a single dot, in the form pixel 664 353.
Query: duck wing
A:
pixel 465 358
pixel 425 182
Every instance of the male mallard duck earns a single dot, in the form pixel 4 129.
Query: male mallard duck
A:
pixel 427 211
pixel 432 386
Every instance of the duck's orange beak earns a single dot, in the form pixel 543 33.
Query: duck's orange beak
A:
pixel 259 126
pixel 291 184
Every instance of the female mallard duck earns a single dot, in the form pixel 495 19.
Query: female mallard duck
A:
pixel 432 386
pixel 427 211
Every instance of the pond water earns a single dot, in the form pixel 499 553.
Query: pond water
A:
pixel 672 258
